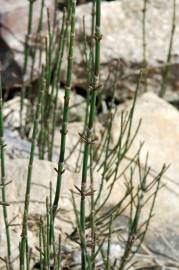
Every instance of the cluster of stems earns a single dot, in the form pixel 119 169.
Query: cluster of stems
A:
pixel 88 137
pixel 26 59
pixel 24 236
pixel 104 158
pixel 64 129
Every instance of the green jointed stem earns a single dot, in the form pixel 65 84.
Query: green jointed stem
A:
pixel 29 178
pixel 26 54
pixel 41 17
pixel 44 133
pixel 49 51
pixel 65 110
pixel 45 261
pixel 59 254
pixel 108 266
pixel 40 247
pixel 56 79
pixel 89 131
pixel 29 30
pixel 34 50
pixel 92 217
pixel 3 184
pixel 144 43
pixel 166 68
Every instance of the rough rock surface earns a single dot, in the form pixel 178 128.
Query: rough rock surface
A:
pixel 122 40
pixel 13 29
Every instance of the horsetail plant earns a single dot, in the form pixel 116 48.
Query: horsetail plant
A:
pixel 38 33
pixel 137 203
pixel 92 211
pixel 108 266
pixel 26 57
pixel 24 237
pixel 3 182
pixel 65 110
pixel 145 2
pixel 55 84
pixel 94 228
pixel 44 136
pixel 89 70
pixel 88 137
pixel 166 68
pixel 39 40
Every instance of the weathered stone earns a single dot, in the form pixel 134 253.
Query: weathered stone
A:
pixel 11 113
pixel 13 29
pixel 122 42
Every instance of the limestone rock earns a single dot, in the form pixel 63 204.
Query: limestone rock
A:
pixel 13 29
pixel 11 113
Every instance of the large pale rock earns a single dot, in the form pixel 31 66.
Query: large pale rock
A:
pixel 160 133
pixel 13 29
pixel 121 29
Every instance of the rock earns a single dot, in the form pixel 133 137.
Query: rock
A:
pixel 12 38
pixel 11 113
pixel 122 41
pixel 77 105
pixel 160 133
pixel 16 147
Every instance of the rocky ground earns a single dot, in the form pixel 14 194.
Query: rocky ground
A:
pixel 159 130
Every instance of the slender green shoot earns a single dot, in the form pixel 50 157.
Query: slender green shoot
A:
pixel 65 111
pixel 29 180
pixel 166 68
pixel 3 182
pixel 144 43
pixel 88 138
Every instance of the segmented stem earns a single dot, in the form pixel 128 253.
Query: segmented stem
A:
pixel 3 180
pixel 29 179
pixel 65 110
pixel 89 130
